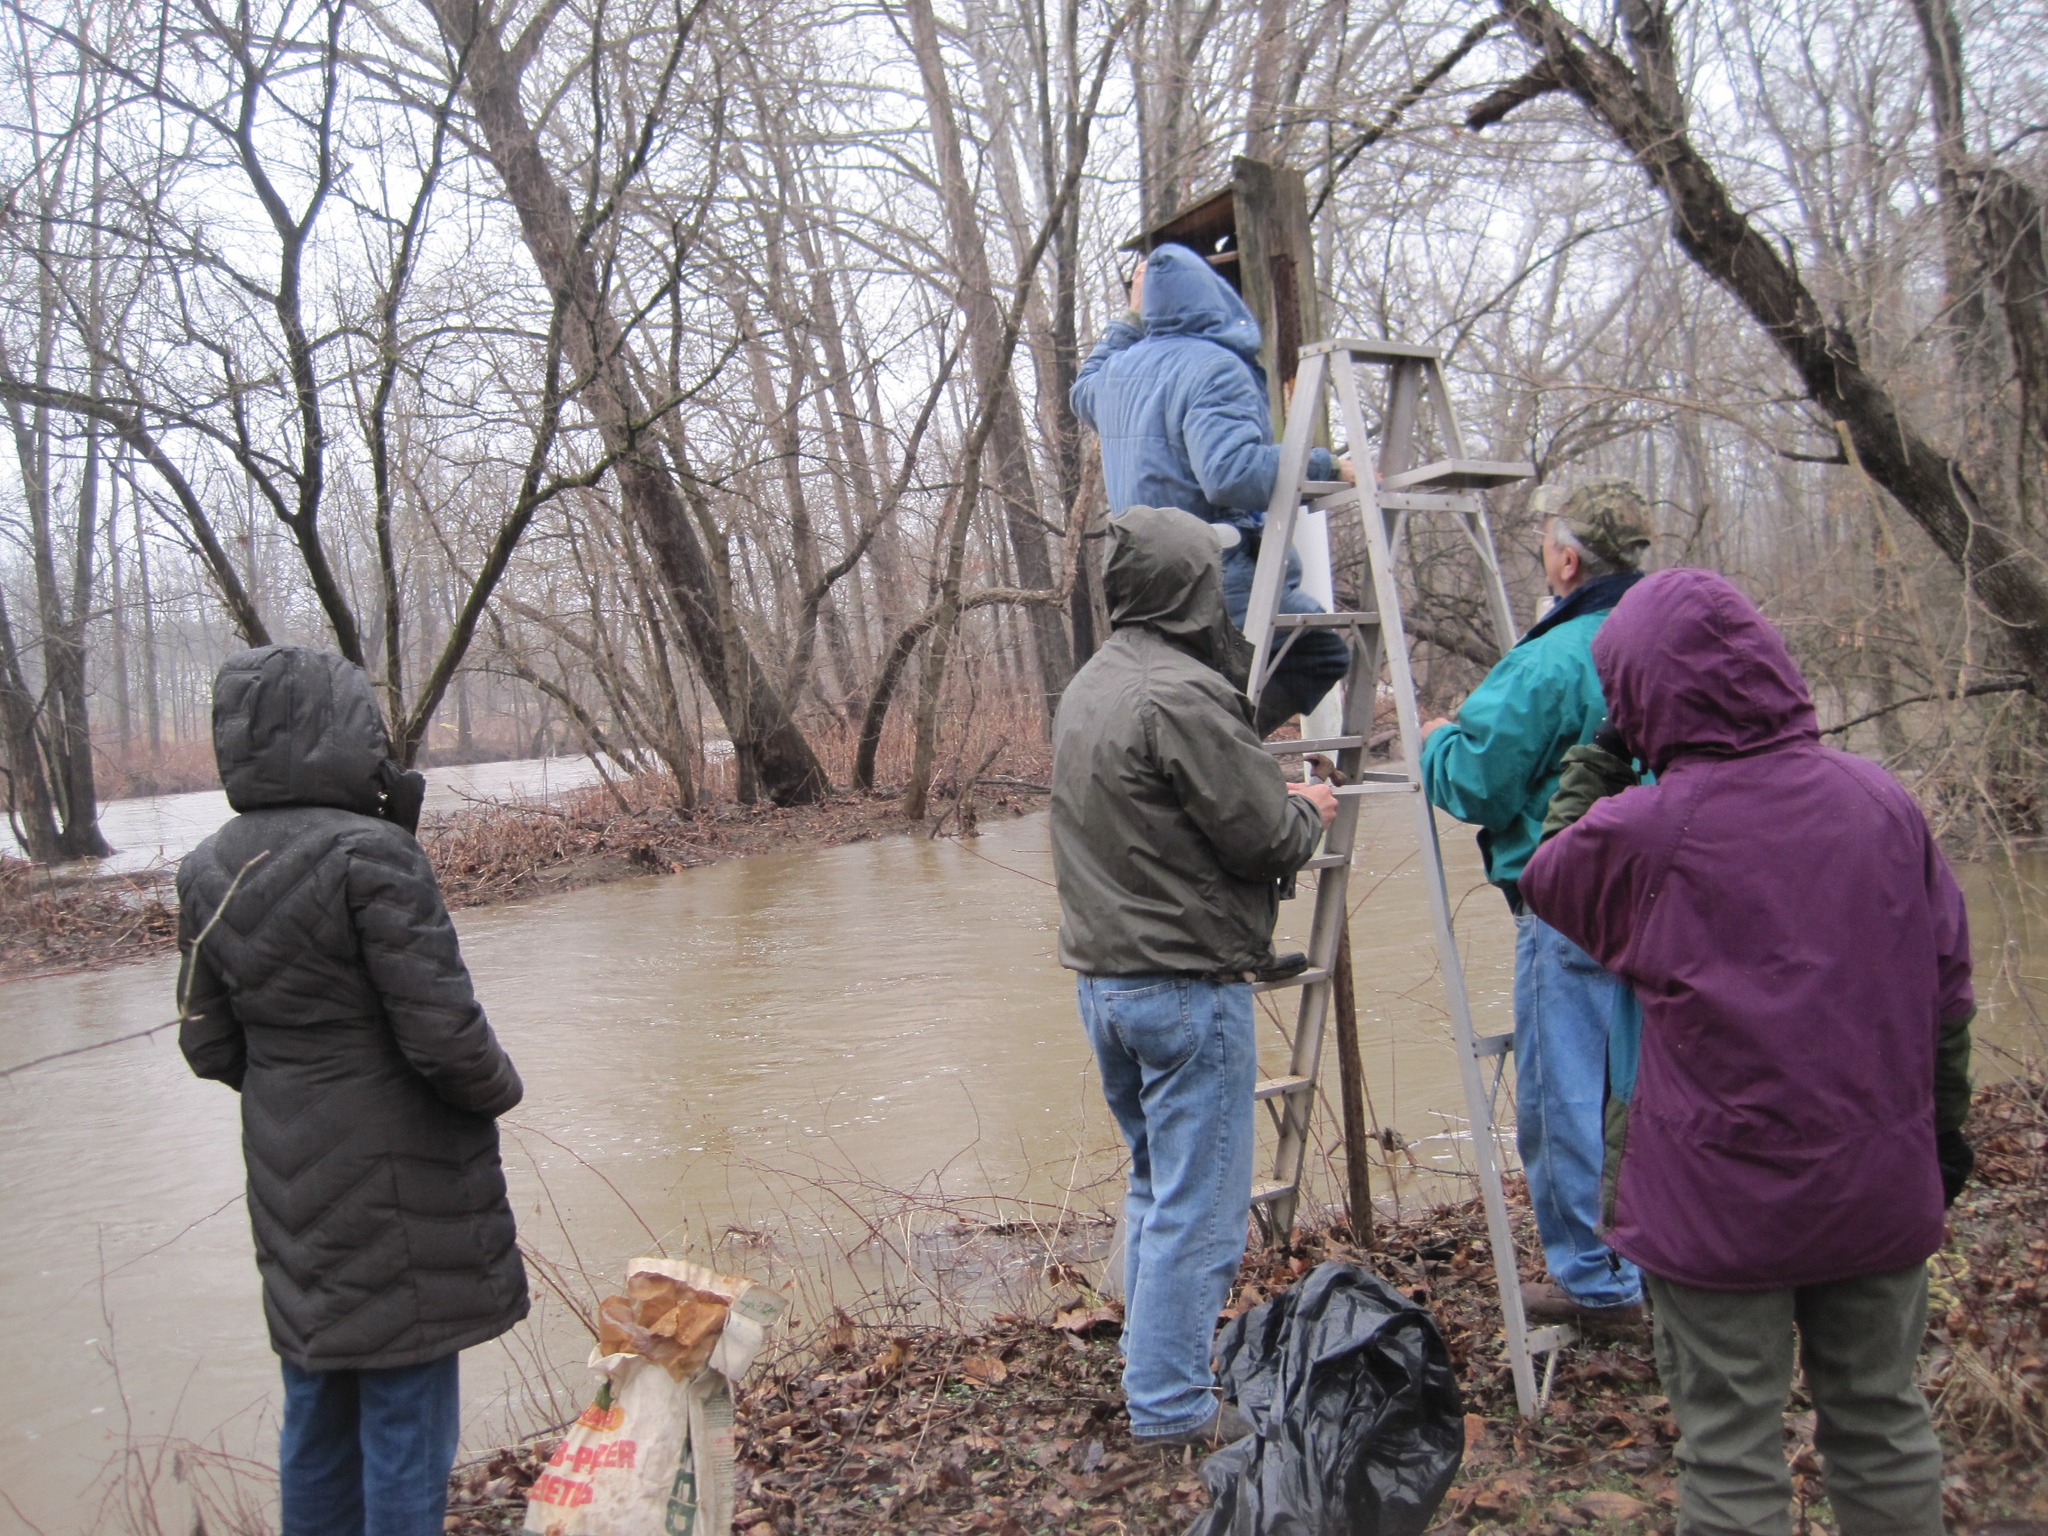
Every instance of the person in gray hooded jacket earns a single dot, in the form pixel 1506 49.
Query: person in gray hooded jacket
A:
pixel 1172 830
pixel 322 981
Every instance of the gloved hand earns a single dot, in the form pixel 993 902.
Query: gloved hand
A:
pixel 1957 1159
pixel 404 792
pixel 1601 767
pixel 1608 740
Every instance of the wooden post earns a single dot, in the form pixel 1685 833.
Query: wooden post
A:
pixel 1255 231
pixel 1351 1082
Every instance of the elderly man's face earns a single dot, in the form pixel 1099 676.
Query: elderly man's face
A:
pixel 1562 568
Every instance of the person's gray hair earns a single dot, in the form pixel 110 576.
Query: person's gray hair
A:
pixel 1590 564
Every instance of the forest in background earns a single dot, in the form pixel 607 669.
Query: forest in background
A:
pixel 647 375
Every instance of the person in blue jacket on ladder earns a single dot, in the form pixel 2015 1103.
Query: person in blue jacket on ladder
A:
pixel 1175 391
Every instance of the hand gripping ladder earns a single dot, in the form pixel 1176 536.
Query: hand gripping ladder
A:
pixel 1403 489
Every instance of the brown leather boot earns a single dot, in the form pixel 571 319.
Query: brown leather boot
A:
pixel 1545 1301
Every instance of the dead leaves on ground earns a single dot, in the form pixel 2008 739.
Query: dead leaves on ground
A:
pixel 1018 1430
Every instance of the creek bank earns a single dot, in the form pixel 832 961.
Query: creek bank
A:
pixel 503 851
pixel 1016 1428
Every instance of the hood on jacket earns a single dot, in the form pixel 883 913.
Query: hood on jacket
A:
pixel 1165 574
pixel 295 726
pixel 1689 666
pixel 1185 296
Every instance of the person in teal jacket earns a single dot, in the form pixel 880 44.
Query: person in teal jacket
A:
pixel 1576 1026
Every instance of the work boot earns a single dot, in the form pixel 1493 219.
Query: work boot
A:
pixel 1545 1301
pixel 1219 1429
pixel 1292 963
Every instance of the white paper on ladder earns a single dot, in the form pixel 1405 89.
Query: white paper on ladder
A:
pixel 1318 580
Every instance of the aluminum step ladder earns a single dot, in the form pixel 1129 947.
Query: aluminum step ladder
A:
pixel 1443 487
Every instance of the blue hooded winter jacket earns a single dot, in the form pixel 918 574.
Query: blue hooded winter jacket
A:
pixel 1180 403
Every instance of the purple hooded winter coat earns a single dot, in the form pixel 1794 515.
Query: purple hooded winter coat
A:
pixel 1796 940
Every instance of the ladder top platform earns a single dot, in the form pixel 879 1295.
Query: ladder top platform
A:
pixel 1381 351
pixel 1459 475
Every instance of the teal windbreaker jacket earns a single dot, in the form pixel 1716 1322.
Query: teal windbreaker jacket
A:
pixel 1497 765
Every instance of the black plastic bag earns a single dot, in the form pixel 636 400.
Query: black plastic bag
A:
pixel 1360 1423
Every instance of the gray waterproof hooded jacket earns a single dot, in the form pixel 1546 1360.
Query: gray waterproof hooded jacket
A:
pixel 1171 826
pixel 331 994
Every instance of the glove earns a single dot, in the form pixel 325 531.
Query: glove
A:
pixel 402 792
pixel 1957 1161
pixel 1602 767
pixel 1608 740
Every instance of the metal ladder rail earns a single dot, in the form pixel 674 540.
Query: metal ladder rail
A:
pixel 1522 1343
pixel 1290 1097
pixel 1378 638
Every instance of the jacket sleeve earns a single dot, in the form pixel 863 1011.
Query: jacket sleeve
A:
pixel 1230 788
pixel 208 1034
pixel 408 945
pixel 1228 438
pixel 1591 880
pixel 1483 765
pixel 1122 333
pixel 1957 1000
pixel 1591 773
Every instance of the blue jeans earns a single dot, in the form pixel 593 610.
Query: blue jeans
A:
pixel 1318 659
pixel 1577 1029
pixel 1178 1060
pixel 367 1453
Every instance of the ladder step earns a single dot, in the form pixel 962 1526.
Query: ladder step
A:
pixel 1492 1045
pixel 1328 861
pixel 1307 978
pixel 1313 744
pixel 1261 1193
pixel 1463 503
pixel 1459 475
pixel 1325 620
pixel 1276 1087
pixel 1543 1340
pixel 1400 787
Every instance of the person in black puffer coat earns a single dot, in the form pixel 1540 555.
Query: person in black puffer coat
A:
pixel 322 980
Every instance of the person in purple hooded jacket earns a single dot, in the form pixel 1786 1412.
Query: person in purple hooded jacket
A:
pixel 1802 956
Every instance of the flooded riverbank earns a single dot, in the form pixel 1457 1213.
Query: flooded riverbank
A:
pixel 800 1061
pixel 155 831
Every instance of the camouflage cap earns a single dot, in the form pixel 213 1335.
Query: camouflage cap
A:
pixel 1609 517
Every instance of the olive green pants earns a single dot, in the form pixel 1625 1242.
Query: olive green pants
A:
pixel 1726 1361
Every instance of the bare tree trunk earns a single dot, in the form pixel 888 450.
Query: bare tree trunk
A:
pixel 152 706
pixel 1009 450
pixel 764 736
pixel 1643 110
pixel 1169 39
pixel 117 621
pixel 64 656
pixel 677 743
pixel 29 807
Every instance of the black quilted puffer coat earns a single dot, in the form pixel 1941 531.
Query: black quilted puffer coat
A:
pixel 331 993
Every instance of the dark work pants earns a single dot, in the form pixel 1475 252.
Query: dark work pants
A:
pixel 1313 665
pixel 367 1453
pixel 1726 1361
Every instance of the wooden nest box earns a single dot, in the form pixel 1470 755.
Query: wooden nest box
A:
pixel 1255 233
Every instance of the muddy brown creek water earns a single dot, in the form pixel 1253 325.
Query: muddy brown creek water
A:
pixel 807 1066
